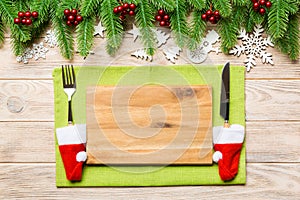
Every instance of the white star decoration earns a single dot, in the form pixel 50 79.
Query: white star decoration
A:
pixel 135 32
pixel 99 29
pixel 39 51
pixel 50 39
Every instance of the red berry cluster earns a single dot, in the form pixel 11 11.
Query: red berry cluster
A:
pixel 125 9
pixel 211 16
pixel 260 5
pixel 25 17
pixel 72 17
pixel 163 18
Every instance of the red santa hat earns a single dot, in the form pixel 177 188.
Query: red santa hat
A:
pixel 228 143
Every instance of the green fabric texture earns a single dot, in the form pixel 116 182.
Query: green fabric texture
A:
pixel 164 75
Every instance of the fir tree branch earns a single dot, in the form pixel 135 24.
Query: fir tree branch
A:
pixel 239 2
pixel 167 5
pixel 88 7
pixel 144 21
pixel 198 4
pixel 223 6
pixel 256 17
pixel 112 23
pixel 197 31
pixel 239 17
pixel 293 35
pixel 228 32
pixel 278 19
pixel 62 32
pixel 21 5
pixel 43 8
pixel 85 36
pixel 178 20
pixel 2 29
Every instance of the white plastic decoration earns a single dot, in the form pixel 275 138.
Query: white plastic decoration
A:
pixel 141 53
pixel 253 46
pixel 99 29
pixel 135 32
pixel 200 54
pixel 27 55
pixel 172 53
pixel 50 39
pixel 161 36
pixel 39 51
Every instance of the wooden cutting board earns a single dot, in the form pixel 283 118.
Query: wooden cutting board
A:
pixel 149 124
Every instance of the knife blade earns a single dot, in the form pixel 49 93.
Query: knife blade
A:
pixel 225 94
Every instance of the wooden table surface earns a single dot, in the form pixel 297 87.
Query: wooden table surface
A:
pixel 27 157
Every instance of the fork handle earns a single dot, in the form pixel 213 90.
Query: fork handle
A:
pixel 70 116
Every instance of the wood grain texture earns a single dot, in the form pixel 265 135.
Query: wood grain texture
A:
pixel 272 129
pixel 149 124
pixel 265 181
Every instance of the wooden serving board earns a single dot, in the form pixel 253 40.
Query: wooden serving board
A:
pixel 149 124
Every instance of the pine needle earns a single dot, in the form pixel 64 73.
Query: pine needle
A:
pixel 2 29
pixel 167 5
pixel 85 36
pixel 88 7
pixel 228 32
pixel 197 30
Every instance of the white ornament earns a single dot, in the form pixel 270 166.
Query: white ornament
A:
pixel 161 37
pixel 27 55
pixel 135 32
pixel 141 53
pixel 99 29
pixel 39 51
pixel 253 46
pixel 50 39
pixel 172 53
pixel 199 55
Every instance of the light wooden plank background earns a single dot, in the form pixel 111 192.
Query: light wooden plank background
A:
pixel 27 158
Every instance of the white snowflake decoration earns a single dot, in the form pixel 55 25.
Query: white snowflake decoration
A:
pixel 141 53
pixel 172 53
pixel 99 29
pixel 253 46
pixel 200 54
pixel 39 51
pixel 27 55
pixel 50 39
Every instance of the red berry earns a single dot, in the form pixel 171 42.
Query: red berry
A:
pixel 256 6
pixel 158 18
pixel 27 14
pixel 268 4
pixel 28 22
pixel 122 17
pixel 262 11
pixel 161 12
pixel 35 14
pixel 75 23
pixel 124 12
pixel 21 14
pixel 132 6
pixel 17 20
pixel 254 1
pixel 67 12
pixel 204 16
pixel 166 17
pixel 69 23
pixel 131 13
pixel 71 18
pixel 209 13
pixel 125 6
pixel 120 8
pixel 23 21
pixel 212 19
pixel 74 12
pixel 162 23
pixel 167 23
pixel 116 10
pixel 79 18
pixel 216 13
pixel 262 2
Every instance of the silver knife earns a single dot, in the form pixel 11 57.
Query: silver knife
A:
pixel 225 94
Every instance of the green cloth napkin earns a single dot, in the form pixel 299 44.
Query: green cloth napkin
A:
pixel 164 75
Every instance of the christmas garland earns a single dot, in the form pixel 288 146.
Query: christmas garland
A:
pixel 187 19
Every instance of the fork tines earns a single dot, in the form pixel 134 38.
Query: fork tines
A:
pixel 68 76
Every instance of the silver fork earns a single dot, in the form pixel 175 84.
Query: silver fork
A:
pixel 69 85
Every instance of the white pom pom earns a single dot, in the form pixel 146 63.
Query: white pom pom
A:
pixel 81 156
pixel 217 156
